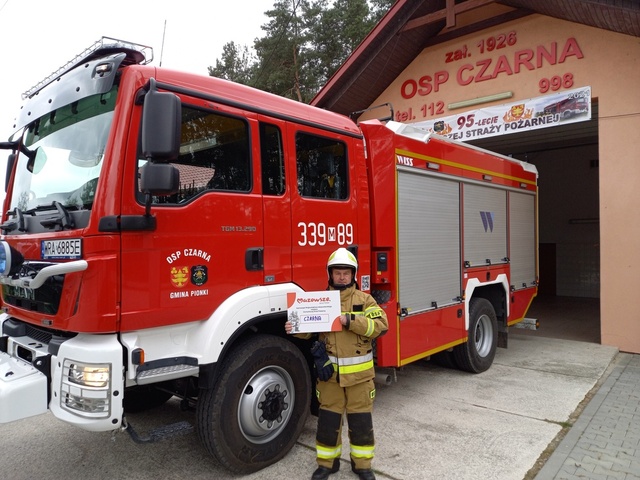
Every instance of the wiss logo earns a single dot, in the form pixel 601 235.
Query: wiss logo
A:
pixel 405 160
pixel 487 221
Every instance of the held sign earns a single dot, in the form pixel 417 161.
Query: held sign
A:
pixel 310 312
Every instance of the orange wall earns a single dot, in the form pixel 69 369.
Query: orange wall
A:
pixel 606 61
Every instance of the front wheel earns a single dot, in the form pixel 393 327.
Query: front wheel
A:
pixel 477 353
pixel 257 408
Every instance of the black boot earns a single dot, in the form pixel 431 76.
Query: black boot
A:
pixel 364 474
pixel 322 473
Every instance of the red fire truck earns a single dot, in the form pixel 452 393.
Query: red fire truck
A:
pixel 568 107
pixel 155 221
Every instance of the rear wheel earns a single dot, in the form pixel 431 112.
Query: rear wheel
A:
pixel 477 353
pixel 257 408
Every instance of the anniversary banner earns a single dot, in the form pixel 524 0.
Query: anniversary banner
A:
pixel 540 112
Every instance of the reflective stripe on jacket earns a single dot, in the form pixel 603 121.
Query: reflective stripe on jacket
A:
pixel 351 349
pixel 352 364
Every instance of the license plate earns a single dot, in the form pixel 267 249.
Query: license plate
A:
pixel 70 248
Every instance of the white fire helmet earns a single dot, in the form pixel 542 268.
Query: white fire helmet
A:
pixel 342 258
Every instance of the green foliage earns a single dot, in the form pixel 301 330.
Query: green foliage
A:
pixel 305 42
pixel 235 64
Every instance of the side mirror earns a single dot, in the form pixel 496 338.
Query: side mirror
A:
pixel 161 122
pixel 7 176
pixel 37 161
pixel 159 179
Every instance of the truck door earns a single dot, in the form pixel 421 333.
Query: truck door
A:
pixel 208 239
pixel 276 201
pixel 323 203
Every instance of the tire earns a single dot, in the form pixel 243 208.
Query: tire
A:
pixel 477 353
pixel 235 425
pixel 143 398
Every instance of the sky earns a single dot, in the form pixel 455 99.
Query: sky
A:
pixel 39 36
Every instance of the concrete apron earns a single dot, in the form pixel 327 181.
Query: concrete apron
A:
pixel 433 423
pixel 437 423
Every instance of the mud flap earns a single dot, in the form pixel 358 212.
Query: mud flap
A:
pixel 503 338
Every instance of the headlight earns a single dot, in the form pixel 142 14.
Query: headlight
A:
pixel 10 259
pixel 89 375
pixel 86 388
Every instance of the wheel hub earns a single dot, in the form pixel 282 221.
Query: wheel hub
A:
pixel 483 335
pixel 266 404
pixel 273 405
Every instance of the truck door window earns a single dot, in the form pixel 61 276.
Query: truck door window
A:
pixel 214 155
pixel 272 158
pixel 321 167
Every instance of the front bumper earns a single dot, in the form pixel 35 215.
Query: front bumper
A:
pixel 80 379
pixel 23 389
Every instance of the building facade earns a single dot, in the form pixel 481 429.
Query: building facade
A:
pixel 559 90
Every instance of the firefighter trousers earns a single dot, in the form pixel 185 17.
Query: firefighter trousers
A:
pixel 357 402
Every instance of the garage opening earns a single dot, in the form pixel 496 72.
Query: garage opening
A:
pixel 568 302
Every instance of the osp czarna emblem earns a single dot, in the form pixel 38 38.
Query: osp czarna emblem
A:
pixel 199 275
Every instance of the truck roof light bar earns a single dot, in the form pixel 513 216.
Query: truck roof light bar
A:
pixel 136 54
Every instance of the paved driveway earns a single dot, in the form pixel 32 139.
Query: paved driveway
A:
pixel 433 423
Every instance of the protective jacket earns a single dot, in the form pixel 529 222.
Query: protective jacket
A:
pixel 351 350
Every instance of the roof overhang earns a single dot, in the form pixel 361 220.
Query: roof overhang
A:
pixel 410 26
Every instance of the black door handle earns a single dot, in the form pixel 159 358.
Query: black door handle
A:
pixel 253 259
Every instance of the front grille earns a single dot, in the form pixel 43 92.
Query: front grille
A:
pixel 16 328
pixel 39 334
pixel 45 299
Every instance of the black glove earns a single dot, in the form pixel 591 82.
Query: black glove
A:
pixel 324 367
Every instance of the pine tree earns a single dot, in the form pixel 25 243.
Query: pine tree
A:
pixel 305 42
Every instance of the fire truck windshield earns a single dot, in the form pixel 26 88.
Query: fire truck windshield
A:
pixel 68 146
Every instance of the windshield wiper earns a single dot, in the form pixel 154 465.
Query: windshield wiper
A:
pixel 64 219
pixel 18 222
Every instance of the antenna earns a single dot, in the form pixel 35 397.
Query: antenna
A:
pixel 162 48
